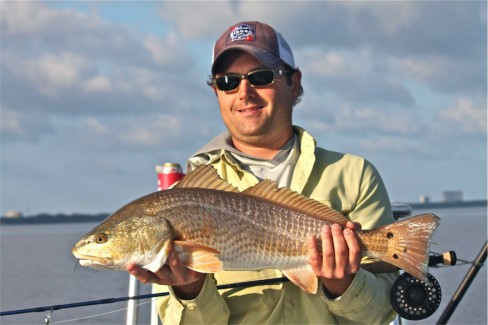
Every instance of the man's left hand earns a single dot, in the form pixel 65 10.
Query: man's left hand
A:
pixel 338 260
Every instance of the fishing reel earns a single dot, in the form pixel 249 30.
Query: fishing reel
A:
pixel 414 299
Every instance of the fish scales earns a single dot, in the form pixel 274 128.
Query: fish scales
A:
pixel 239 225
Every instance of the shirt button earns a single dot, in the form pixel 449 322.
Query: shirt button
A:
pixel 191 306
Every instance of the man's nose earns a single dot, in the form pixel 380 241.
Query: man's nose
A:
pixel 245 89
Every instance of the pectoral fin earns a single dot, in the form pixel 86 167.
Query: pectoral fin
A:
pixel 303 277
pixel 160 258
pixel 198 257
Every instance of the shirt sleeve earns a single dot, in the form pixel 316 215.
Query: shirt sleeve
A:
pixel 372 205
pixel 208 307
pixel 366 301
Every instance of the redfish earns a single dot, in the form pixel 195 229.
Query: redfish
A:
pixel 215 227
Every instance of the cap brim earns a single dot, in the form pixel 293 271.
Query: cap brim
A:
pixel 267 59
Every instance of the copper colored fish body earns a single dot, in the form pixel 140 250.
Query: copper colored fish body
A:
pixel 214 227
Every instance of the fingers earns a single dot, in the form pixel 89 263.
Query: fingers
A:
pixel 340 254
pixel 163 276
pixel 340 251
pixel 171 274
pixel 356 226
pixel 142 275
pixel 315 258
pixel 354 250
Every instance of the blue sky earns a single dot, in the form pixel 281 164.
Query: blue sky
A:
pixel 95 94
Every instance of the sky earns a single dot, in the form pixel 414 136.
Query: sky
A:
pixel 95 94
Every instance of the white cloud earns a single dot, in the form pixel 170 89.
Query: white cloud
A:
pixel 118 98
pixel 52 73
pixel 390 18
pixel 465 116
pixel 18 127
pixel 23 17
pixel 11 122
pixel 97 84
pixel 149 132
pixel 95 126
pixel 197 19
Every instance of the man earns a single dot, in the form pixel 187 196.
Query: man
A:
pixel 257 84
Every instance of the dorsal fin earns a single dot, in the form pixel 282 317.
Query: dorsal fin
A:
pixel 205 176
pixel 269 190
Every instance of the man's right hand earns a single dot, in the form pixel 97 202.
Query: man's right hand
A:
pixel 186 283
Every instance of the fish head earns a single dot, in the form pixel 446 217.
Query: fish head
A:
pixel 131 235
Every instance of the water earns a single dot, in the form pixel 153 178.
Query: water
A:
pixel 37 269
pixel 463 230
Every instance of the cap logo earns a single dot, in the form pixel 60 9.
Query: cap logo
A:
pixel 242 32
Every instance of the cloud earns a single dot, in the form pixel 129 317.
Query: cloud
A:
pixel 465 117
pixel 51 74
pixel 15 126
pixel 94 91
pixel 356 76
pixel 87 67
pixel 97 84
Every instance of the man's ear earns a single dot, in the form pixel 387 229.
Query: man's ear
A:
pixel 296 81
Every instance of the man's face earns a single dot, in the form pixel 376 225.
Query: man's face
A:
pixel 257 116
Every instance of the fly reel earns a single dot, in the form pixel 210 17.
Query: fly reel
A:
pixel 413 299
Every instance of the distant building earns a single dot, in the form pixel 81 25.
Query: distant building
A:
pixel 452 196
pixel 424 199
pixel 14 214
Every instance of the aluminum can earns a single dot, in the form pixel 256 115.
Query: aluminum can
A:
pixel 168 174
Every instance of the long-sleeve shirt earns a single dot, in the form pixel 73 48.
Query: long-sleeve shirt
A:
pixel 347 183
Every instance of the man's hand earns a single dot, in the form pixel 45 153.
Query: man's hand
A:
pixel 186 283
pixel 337 263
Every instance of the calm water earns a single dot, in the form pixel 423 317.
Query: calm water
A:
pixel 37 269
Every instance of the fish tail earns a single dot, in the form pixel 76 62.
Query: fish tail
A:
pixel 407 243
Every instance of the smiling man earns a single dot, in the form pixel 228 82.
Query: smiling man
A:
pixel 257 84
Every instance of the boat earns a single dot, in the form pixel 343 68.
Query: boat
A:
pixel 401 210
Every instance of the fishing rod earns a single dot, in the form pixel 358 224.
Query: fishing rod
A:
pixel 433 261
pixel 139 297
pixel 463 287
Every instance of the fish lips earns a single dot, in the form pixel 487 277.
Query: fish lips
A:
pixel 95 262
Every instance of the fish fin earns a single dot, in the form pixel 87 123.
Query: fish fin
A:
pixel 303 277
pixel 205 176
pixel 269 190
pixel 198 257
pixel 408 243
pixel 160 258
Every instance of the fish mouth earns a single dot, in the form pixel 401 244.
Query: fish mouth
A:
pixel 93 261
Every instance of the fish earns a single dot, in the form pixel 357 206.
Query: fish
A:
pixel 215 227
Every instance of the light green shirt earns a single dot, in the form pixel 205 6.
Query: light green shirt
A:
pixel 344 182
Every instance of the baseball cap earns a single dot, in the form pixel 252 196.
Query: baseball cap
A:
pixel 258 39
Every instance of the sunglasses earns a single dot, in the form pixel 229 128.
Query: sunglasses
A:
pixel 257 78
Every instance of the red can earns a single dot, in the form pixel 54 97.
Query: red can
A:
pixel 168 174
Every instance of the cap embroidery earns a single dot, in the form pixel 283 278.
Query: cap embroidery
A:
pixel 242 32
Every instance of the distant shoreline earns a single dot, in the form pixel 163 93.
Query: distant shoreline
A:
pixel 57 218
pixel 70 218
pixel 445 205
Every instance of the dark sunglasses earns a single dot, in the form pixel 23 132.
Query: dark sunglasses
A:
pixel 257 78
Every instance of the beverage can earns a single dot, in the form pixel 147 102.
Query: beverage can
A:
pixel 168 174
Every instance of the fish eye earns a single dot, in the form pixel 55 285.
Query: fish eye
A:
pixel 101 238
